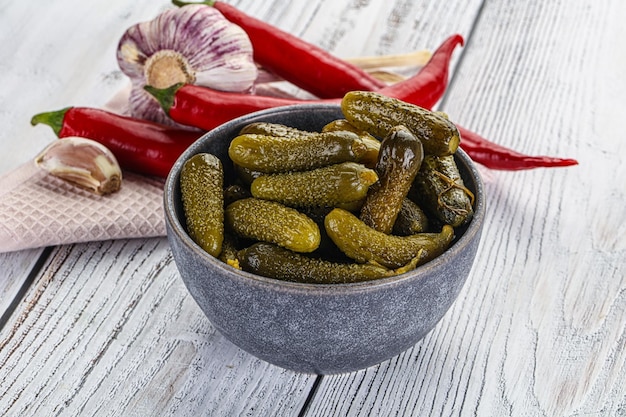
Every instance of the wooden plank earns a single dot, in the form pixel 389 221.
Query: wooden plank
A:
pixel 15 268
pixel 49 65
pixel 569 308
pixel 110 329
pixel 539 326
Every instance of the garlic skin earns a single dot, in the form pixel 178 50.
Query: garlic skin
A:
pixel 82 162
pixel 193 44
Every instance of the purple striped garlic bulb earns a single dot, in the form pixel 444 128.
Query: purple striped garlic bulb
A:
pixel 194 44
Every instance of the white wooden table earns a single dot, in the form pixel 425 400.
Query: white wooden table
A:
pixel 108 328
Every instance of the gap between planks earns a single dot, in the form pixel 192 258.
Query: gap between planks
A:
pixel 19 295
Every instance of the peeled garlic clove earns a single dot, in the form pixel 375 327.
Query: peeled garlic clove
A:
pixel 82 162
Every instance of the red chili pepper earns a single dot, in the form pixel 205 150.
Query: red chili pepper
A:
pixel 206 108
pixel 326 76
pixel 426 88
pixel 296 60
pixel 495 156
pixel 138 145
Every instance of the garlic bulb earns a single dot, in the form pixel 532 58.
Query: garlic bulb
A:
pixel 194 44
pixel 82 162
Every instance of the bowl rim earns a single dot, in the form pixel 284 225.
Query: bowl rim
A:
pixel 176 227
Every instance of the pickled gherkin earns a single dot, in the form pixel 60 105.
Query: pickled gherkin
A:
pixel 374 194
pixel 271 154
pixel 328 186
pixel 229 251
pixel 364 244
pixel 399 159
pixel 343 124
pixel 245 175
pixel 370 157
pixel 439 189
pixel 275 262
pixel 201 182
pixel 411 219
pixel 378 114
pixel 235 192
pixel 269 221
pixel 274 129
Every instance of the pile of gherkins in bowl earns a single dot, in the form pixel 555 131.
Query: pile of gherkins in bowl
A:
pixel 372 194
pixel 359 296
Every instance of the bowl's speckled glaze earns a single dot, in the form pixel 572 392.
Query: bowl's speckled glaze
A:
pixel 312 328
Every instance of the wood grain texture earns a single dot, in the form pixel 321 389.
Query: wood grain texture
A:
pixel 108 328
pixel 540 326
pixel 14 271
pixel 62 54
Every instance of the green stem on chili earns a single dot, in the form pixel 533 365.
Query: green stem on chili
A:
pixel 138 145
pixel 54 119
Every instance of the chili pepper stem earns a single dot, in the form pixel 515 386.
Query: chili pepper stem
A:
pixel 54 119
pixel 165 96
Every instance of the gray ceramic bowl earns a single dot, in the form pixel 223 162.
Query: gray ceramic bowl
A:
pixel 313 328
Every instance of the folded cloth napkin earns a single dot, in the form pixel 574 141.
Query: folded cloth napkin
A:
pixel 38 209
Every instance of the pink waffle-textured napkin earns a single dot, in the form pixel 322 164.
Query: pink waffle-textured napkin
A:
pixel 38 209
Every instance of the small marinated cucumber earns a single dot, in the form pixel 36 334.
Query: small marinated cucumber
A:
pixel 276 129
pixel 269 221
pixel 272 154
pixel 411 219
pixel 378 114
pixel 439 189
pixel 372 144
pixel 275 262
pixel 399 159
pixel 273 129
pixel 364 244
pixel 328 186
pixel 201 186
pixel 235 192
pixel 245 175
pixel 327 248
pixel 229 251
